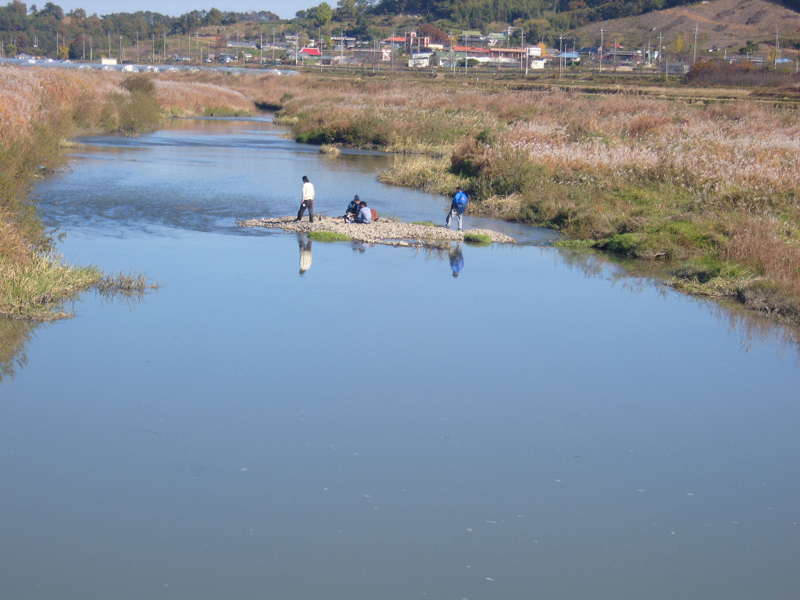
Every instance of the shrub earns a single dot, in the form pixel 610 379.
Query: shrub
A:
pixel 139 83
pixel 328 236
pixel 478 239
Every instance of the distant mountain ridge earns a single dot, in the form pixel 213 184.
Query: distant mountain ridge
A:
pixel 721 24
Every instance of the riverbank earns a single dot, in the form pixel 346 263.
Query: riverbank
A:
pixel 382 231
pixel 705 189
pixel 39 110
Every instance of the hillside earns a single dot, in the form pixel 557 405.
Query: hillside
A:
pixel 724 24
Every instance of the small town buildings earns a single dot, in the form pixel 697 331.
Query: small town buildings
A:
pixel 343 40
pixel 415 43
pixel 310 53
pixel 372 55
pixel 674 68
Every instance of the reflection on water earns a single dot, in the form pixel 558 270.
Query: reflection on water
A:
pixel 751 328
pixel 14 338
pixel 456 259
pixel 305 253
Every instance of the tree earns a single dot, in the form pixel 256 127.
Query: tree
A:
pixel 677 44
pixel 346 10
pixel 214 17
pixel 18 7
pixel 53 9
pixel 749 48
pixel 323 14
pixel 437 35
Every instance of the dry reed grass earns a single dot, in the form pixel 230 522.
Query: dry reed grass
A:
pixel 38 109
pixel 646 176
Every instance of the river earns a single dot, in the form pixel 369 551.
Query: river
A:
pixel 370 426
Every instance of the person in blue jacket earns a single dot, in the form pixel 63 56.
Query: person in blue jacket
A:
pixel 352 209
pixel 457 208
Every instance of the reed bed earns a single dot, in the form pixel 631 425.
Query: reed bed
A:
pixel 39 108
pixel 32 290
pixel 686 184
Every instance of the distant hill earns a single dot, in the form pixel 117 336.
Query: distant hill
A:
pixel 727 25
pixel 723 24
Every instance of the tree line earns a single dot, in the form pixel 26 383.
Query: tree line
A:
pixel 33 30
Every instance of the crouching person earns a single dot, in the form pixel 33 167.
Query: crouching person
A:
pixel 352 209
pixel 364 214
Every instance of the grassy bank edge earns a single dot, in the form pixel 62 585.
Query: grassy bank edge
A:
pixel 689 247
pixel 35 282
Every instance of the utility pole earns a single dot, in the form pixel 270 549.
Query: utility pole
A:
pixel 777 49
pixel 273 46
pixel 391 53
pixel 137 46
pixel 694 57
pixel 560 55
pixel 109 44
pixel 524 53
pixel 659 52
pixel 261 51
pixel 601 49
pixel 120 50
pixel 83 53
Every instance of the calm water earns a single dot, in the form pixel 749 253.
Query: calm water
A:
pixel 540 427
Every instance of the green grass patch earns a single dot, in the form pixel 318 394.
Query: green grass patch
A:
pixel 575 244
pixel 328 236
pixel 701 269
pixel 36 289
pixel 425 223
pixel 477 239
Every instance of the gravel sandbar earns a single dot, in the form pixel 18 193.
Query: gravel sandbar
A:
pixel 393 233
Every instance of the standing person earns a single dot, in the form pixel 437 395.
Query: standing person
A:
pixel 457 208
pixel 307 201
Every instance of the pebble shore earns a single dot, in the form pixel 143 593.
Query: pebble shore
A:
pixel 393 233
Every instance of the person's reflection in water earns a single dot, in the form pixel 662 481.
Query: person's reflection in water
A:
pixel 456 259
pixel 305 254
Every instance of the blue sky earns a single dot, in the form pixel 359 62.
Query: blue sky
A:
pixel 283 8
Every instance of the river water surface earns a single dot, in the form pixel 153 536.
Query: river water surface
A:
pixel 539 427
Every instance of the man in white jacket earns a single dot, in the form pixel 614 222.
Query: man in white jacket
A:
pixel 307 201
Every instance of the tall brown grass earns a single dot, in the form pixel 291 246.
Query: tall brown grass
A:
pixel 39 108
pixel 645 176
